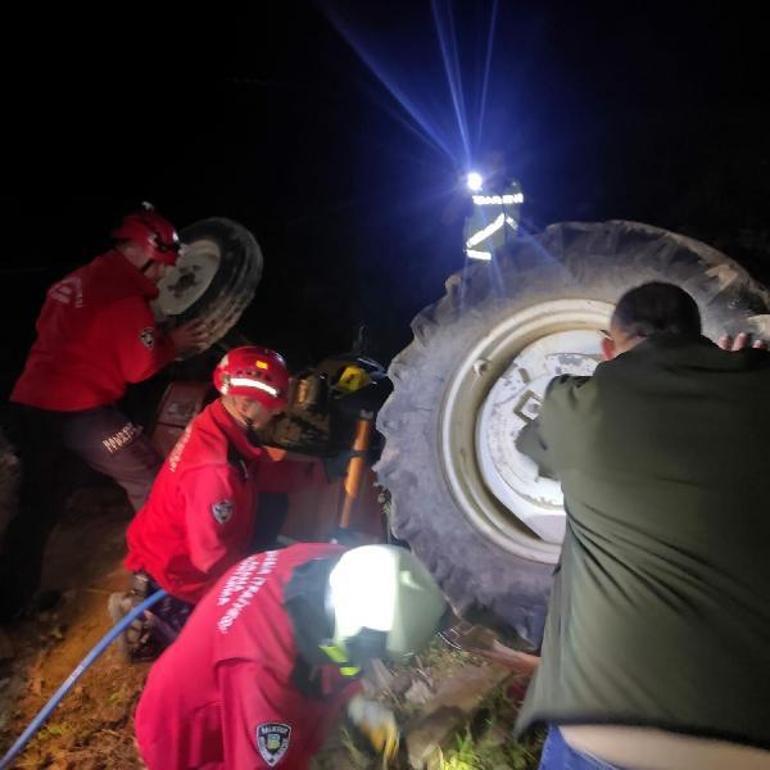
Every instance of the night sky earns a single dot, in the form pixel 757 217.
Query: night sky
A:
pixel 270 116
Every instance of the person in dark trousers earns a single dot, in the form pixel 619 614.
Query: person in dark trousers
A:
pixel 270 656
pixel 206 509
pixel 96 335
pixel 656 643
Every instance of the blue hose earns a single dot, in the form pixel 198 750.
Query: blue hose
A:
pixel 82 667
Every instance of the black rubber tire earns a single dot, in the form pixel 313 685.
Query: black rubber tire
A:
pixel 233 286
pixel 592 261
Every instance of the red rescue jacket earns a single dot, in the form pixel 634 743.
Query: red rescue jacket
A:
pixel 96 334
pixel 202 512
pixel 224 695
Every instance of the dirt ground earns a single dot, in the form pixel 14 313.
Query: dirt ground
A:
pixel 92 728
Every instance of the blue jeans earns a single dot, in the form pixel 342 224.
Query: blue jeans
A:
pixel 558 755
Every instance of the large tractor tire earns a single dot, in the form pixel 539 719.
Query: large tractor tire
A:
pixel 215 278
pixel 478 513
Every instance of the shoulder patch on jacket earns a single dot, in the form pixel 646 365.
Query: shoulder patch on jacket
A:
pixel 68 291
pixel 222 511
pixel 273 741
pixel 147 337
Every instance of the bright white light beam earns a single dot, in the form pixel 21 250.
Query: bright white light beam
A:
pixel 474 181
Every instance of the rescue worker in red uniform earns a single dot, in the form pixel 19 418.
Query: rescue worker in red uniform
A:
pixel 275 648
pixel 204 513
pixel 96 334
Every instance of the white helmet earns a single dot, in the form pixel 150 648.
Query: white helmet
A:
pixel 384 602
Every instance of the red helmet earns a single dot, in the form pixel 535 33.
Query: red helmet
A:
pixel 257 373
pixel 151 230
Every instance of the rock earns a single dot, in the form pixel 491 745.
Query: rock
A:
pixel 401 683
pixel 453 705
pixel 418 693
pixel 377 677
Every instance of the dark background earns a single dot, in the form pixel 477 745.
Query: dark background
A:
pixel 269 116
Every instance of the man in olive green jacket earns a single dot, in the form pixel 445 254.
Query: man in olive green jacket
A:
pixel 657 645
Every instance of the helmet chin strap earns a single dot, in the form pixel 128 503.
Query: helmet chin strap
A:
pixel 146 266
pixel 247 421
pixel 339 655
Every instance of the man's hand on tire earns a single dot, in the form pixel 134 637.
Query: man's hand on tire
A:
pixel 741 341
pixel 191 337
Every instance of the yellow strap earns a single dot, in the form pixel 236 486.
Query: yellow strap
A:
pixel 335 652
pixel 339 656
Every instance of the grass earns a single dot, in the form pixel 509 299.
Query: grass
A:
pixel 484 743
pixel 489 745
